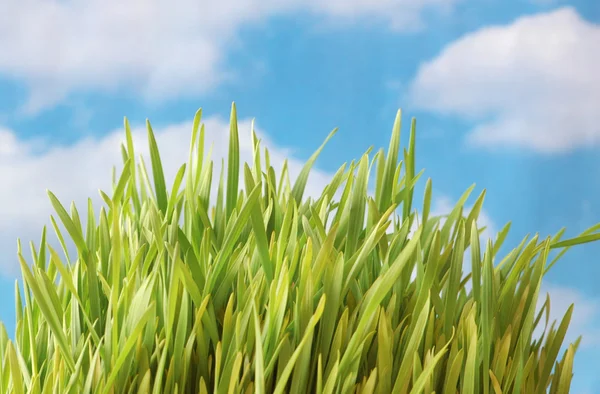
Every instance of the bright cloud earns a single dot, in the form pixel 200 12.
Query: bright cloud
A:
pixel 533 83
pixel 156 48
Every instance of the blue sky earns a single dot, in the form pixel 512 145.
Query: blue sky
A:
pixel 506 95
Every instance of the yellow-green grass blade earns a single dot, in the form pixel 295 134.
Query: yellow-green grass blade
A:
pixel 49 312
pixel 281 384
pixel 300 184
pixel 158 175
pixel 233 164
pixel 384 187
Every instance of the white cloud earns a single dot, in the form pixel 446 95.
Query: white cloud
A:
pixel 76 172
pixel 156 48
pixel 533 83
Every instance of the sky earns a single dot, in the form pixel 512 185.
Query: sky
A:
pixel 506 95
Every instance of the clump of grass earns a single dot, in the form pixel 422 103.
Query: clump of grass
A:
pixel 269 292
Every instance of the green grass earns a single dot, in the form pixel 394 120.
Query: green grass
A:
pixel 266 291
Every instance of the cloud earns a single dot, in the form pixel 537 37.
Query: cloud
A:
pixel 533 83
pixel 76 172
pixel 156 48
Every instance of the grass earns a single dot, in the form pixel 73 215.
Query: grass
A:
pixel 266 291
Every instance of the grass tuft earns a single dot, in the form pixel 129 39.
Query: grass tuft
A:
pixel 265 291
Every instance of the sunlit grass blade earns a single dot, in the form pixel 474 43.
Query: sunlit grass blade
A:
pixel 158 175
pixel 300 184
pixel 233 164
